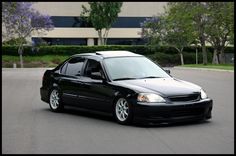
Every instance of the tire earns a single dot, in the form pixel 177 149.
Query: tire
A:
pixel 122 111
pixel 55 101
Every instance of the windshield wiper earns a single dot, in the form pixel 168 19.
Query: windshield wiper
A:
pixel 150 77
pixel 125 78
pixel 132 78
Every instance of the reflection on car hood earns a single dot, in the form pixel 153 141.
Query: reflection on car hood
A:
pixel 164 86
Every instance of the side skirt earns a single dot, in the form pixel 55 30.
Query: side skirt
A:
pixel 88 110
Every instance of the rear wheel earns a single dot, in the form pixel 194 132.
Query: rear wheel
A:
pixel 55 100
pixel 123 111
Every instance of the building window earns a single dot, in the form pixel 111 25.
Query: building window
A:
pixel 125 41
pixel 61 41
pixel 83 41
pixel 121 22
pixel 61 21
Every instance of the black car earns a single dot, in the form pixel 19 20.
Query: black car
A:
pixel 126 85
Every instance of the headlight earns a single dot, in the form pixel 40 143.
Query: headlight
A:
pixel 149 97
pixel 203 94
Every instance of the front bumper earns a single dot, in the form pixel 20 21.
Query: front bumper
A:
pixel 172 113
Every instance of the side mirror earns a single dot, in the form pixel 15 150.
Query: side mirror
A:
pixel 167 70
pixel 96 76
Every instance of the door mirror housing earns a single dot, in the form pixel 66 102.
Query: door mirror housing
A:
pixel 96 76
pixel 167 70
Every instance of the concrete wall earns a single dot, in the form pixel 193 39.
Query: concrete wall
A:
pixel 129 9
pixel 91 33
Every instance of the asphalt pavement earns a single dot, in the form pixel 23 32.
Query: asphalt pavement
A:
pixel 28 125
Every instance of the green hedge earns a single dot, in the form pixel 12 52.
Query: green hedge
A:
pixel 165 56
pixel 71 50
pixel 174 59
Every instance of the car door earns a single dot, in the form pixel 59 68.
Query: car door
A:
pixel 95 94
pixel 70 80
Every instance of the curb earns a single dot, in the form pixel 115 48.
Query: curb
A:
pixel 22 69
pixel 206 69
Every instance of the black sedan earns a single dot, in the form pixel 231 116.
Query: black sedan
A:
pixel 126 85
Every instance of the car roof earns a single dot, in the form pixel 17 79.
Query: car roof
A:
pixel 108 54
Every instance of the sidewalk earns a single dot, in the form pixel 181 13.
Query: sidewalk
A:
pixel 209 69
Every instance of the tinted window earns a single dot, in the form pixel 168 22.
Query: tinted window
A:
pixel 83 41
pixel 63 69
pixel 93 66
pixel 121 22
pixel 70 21
pixel 74 66
pixel 66 41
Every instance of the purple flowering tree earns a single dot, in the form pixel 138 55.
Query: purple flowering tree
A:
pixel 21 20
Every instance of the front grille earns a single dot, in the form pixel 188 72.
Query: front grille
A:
pixel 185 98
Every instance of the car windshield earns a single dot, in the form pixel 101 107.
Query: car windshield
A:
pixel 126 68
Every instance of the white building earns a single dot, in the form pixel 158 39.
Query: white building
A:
pixel 70 29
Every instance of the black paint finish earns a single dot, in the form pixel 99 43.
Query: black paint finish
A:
pixel 100 94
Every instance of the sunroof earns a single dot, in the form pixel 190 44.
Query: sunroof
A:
pixel 115 53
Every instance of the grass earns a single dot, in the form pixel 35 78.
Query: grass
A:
pixel 33 61
pixel 211 66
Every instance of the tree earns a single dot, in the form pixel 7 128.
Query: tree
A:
pixel 198 12
pixel 102 15
pixel 220 28
pixel 179 28
pixel 211 22
pixel 170 29
pixel 152 30
pixel 14 41
pixel 20 20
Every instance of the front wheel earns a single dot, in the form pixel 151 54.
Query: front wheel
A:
pixel 55 101
pixel 123 111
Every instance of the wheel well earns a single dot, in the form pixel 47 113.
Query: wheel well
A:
pixel 119 95
pixel 115 100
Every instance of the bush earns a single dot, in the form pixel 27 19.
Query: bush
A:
pixel 163 55
pixel 71 50
pixel 14 41
pixel 165 59
pixel 174 59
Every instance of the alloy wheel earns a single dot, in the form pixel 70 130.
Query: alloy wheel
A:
pixel 54 99
pixel 122 109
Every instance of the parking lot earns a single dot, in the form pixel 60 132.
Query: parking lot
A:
pixel 28 125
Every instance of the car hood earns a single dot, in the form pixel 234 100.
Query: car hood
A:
pixel 163 86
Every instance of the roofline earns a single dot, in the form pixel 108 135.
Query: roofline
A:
pixel 100 54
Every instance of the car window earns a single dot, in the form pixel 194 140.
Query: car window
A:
pixel 63 69
pixel 74 66
pixel 133 67
pixel 93 66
